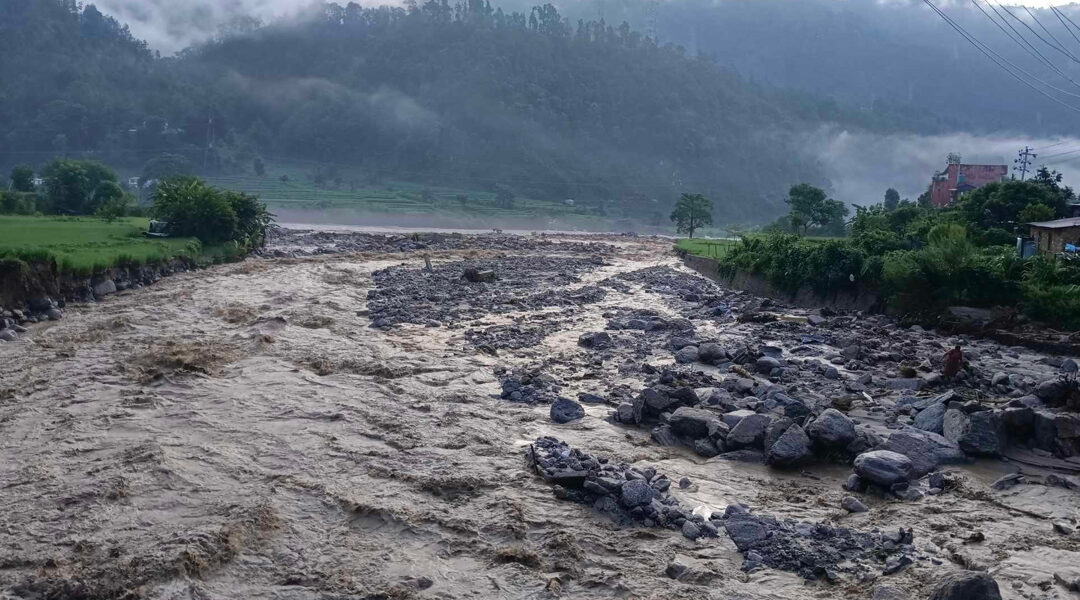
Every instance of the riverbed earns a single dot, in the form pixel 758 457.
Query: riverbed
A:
pixel 244 431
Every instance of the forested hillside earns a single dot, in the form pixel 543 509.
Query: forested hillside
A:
pixel 468 95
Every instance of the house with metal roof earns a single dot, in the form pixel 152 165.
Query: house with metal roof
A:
pixel 1051 236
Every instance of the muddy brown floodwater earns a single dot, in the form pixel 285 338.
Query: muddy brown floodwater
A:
pixel 243 432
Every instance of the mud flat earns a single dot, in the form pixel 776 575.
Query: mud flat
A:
pixel 338 420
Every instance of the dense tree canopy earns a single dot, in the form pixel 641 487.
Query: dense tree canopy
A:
pixel 456 94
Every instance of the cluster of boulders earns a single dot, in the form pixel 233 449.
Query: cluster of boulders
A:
pixel 290 243
pixel 443 295
pixel 529 385
pixel 698 296
pixel 627 495
pixel 13 321
pixel 815 550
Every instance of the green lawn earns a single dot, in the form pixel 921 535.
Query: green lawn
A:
pixel 710 248
pixel 83 244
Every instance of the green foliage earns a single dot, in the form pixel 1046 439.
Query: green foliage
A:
pixel 194 209
pixel 252 220
pixel 71 185
pixel 692 212
pixel 809 207
pixel 18 203
pixel 22 178
pixel 998 205
pixel 113 206
pixel 1035 212
pixel 790 262
pixel 892 199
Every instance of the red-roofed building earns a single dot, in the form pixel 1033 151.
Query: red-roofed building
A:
pixel 959 178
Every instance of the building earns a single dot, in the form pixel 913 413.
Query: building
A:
pixel 1051 236
pixel 958 178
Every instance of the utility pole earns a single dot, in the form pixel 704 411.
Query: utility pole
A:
pixel 1024 161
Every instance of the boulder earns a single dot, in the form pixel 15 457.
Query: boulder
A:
pixel 565 410
pixel 40 304
pixel 687 355
pixel 625 414
pixel 853 505
pixel 705 447
pixel 1058 433
pixel 663 435
pixel 709 352
pixel 790 449
pixel 692 423
pixel 54 314
pixel 766 364
pixel 978 434
pixel 8 335
pixel 637 492
pixel 749 432
pixel 931 419
pixel 967 585
pixel 832 429
pixel 657 400
pixel 884 467
pixel 595 339
pixel 1052 390
pixel 104 288
pixel 478 276
pixel 732 418
pixel 926 450
pixel 775 430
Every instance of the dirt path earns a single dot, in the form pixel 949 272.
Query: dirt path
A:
pixel 242 432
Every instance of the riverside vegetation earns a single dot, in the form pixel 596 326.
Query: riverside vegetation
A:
pixel 923 259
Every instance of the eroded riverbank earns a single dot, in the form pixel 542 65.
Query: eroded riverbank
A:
pixel 245 432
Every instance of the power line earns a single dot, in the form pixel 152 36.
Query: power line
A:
pixel 1020 40
pixel 1059 47
pixel 991 55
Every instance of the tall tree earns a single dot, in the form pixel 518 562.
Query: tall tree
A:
pixel 692 212
pixel 22 179
pixel 810 207
pixel 892 199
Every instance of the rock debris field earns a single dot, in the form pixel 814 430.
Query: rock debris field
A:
pixel 354 415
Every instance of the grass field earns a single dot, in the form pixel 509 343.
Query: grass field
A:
pixel 354 192
pixel 710 248
pixel 84 244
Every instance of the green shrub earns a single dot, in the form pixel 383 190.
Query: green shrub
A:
pixel 1058 305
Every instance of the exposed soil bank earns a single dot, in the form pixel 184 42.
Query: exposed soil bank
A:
pixel 244 432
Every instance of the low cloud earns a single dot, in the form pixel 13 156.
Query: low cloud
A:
pixel 861 165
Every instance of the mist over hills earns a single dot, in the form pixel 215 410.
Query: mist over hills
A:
pixel 536 102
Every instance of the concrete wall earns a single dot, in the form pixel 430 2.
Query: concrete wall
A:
pixel 806 298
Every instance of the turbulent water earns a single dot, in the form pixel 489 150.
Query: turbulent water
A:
pixel 243 432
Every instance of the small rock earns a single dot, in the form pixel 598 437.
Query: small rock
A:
pixel 684 483
pixel 853 505
pixel 8 335
pixel 896 562
pixel 663 435
pixel 1063 528
pixel 690 530
pixel 598 340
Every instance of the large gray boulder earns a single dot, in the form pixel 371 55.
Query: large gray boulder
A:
pixel 832 429
pixel 967 585
pixel 565 410
pixel 692 422
pixel 792 448
pixel 709 352
pixel 926 450
pixel 1058 433
pixel 657 400
pixel 749 432
pixel 104 288
pixel 978 434
pixel 687 355
pixel 931 419
pixel 637 492
pixel 884 467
